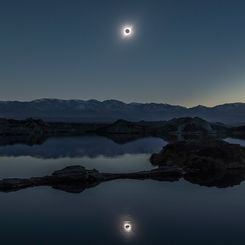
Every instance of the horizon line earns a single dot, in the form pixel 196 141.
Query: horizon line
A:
pixel 124 102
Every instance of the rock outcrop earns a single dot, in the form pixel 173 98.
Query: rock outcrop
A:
pixel 32 131
pixel 195 125
pixel 77 178
pixel 177 126
pixel 124 127
pixel 201 156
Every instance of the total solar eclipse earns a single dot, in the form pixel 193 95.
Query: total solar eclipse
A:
pixel 127 31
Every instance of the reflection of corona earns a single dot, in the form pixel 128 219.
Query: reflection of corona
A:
pixel 127 226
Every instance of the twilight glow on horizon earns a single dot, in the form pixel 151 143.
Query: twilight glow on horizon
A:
pixel 176 52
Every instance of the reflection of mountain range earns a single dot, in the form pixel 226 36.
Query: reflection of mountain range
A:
pixel 111 110
pixel 90 146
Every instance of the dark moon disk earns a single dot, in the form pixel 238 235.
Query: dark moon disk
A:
pixel 127 31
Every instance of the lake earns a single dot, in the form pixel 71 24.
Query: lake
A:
pixel 116 212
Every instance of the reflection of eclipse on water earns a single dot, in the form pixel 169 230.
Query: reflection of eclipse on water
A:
pixel 127 226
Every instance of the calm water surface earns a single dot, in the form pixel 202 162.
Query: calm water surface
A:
pixel 117 212
pixel 89 151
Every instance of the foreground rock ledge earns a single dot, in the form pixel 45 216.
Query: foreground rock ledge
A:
pixel 77 178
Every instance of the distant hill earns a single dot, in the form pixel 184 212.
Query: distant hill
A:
pixel 111 110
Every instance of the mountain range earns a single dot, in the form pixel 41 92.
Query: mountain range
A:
pixel 111 110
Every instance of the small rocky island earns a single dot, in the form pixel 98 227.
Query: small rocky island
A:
pixel 204 155
pixel 205 162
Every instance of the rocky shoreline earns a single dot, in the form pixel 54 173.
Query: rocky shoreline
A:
pixel 195 152
pixel 32 131
pixel 208 163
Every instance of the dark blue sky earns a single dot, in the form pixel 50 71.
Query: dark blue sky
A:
pixel 182 52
